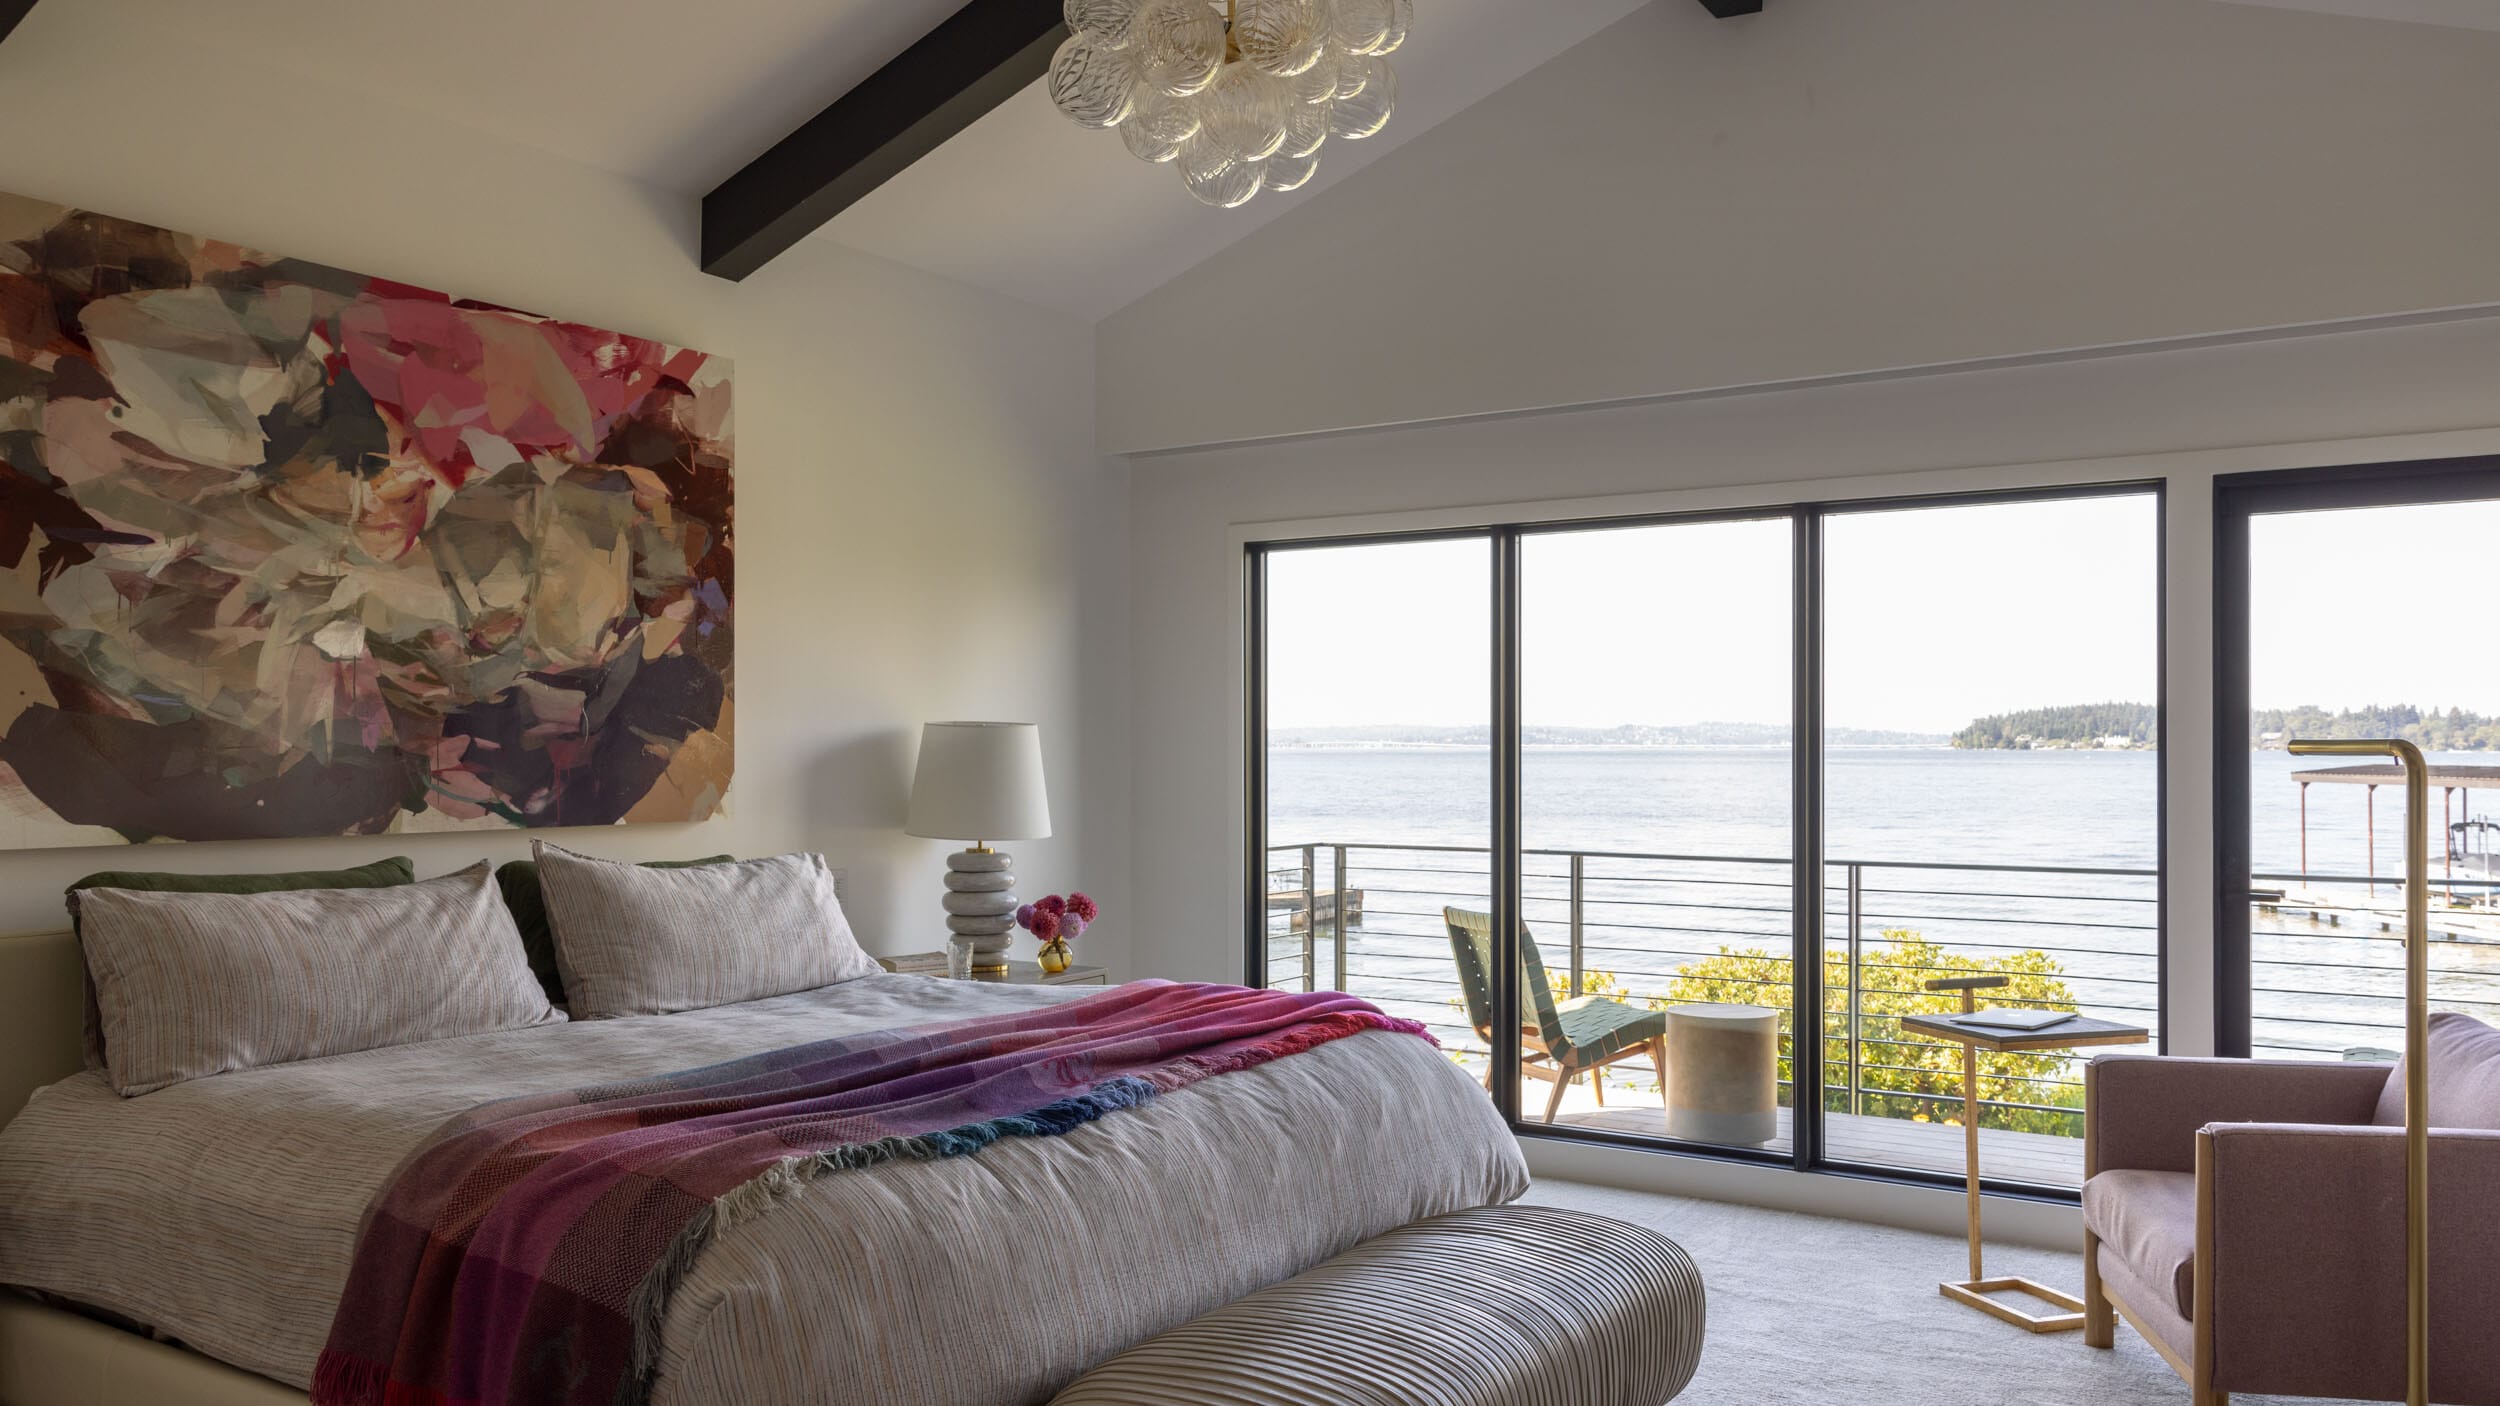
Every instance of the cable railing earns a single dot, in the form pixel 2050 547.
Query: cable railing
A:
pixel 1661 928
pixel 2327 974
pixel 2326 960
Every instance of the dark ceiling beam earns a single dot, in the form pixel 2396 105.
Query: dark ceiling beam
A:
pixel 11 11
pixel 1730 9
pixel 979 57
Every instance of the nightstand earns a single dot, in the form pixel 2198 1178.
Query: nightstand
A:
pixel 1017 974
pixel 1031 974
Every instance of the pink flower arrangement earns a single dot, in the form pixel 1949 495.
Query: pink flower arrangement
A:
pixel 1057 919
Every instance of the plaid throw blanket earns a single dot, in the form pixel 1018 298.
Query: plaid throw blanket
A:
pixel 526 1252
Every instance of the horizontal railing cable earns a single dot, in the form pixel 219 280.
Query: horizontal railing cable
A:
pixel 1665 927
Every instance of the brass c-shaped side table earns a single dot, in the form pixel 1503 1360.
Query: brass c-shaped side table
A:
pixel 2073 1033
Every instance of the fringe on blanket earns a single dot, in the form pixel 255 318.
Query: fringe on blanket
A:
pixel 343 1379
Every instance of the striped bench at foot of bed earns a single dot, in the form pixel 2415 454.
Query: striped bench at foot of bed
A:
pixel 1500 1306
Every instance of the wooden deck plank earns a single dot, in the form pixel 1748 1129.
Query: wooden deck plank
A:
pixel 2034 1158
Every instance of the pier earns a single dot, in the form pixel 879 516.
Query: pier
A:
pixel 2461 837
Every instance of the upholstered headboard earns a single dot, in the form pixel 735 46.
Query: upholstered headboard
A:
pixel 42 1006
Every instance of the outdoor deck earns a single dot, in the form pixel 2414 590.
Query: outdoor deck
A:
pixel 1651 930
pixel 2035 1158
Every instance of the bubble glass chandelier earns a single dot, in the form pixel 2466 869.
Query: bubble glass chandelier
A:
pixel 1239 95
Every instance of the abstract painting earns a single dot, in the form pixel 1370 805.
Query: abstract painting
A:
pixel 290 551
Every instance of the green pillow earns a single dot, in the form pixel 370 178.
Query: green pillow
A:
pixel 380 874
pixel 528 902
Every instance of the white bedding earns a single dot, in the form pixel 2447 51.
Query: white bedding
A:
pixel 223 1212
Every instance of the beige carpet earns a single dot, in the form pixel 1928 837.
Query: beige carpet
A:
pixel 1838 1313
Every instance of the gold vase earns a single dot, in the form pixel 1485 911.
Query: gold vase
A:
pixel 1055 956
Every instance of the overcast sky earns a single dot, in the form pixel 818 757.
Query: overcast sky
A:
pixel 2376 605
pixel 1936 616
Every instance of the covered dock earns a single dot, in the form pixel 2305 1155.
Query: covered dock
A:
pixel 2456 784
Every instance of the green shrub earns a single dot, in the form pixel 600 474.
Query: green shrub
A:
pixel 1903 1076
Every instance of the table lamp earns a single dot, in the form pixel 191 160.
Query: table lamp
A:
pixel 980 782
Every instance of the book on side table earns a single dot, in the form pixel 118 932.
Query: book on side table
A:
pixel 2015 1018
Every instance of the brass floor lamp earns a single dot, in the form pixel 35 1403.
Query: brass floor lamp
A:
pixel 2417 1037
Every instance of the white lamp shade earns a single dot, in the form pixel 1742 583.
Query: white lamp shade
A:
pixel 979 781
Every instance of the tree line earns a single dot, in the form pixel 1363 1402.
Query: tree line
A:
pixel 2098 724
pixel 2431 729
pixel 2075 725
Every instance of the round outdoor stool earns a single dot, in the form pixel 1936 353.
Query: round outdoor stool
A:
pixel 1500 1306
pixel 1723 1073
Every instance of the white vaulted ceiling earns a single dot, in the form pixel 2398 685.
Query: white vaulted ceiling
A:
pixel 681 95
pixel 674 93
pixel 1031 205
pixel 2460 14
pixel 678 96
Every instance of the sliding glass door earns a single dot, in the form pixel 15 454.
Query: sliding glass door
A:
pixel 1771 773
pixel 1992 804
pixel 1377 755
pixel 2353 603
pixel 1655 760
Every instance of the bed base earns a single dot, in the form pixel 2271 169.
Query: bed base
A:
pixel 53 1357
pixel 43 1001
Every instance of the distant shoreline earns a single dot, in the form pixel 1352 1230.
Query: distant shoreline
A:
pixel 2080 727
pixel 1637 735
pixel 1386 746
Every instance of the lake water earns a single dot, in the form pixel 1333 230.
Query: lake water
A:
pixel 2321 987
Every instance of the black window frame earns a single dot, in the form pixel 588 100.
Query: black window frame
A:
pixel 2237 500
pixel 1807 949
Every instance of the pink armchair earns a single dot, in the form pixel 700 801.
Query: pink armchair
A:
pixel 2247 1218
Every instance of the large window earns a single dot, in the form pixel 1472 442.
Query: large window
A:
pixel 1655 774
pixel 2351 604
pixel 1715 923
pixel 1377 747
pixel 1992 806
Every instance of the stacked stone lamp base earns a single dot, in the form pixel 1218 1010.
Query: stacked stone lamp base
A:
pixel 981 905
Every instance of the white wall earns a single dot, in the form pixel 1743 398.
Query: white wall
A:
pixel 2409 389
pixel 1837 186
pixel 895 433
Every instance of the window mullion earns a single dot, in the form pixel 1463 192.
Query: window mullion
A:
pixel 1506 877
pixel 1806 820
pixel 1254 775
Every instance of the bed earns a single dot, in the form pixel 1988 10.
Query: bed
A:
pixel 222 1214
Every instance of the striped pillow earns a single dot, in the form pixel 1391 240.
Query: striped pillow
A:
pixel 528 903
pixel 632 940
pixel 193 984
pixel 381 873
